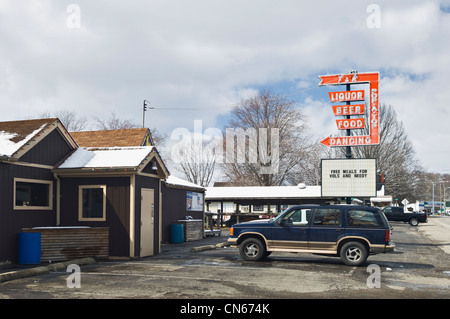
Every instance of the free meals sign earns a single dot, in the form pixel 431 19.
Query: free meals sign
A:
pixel 349 177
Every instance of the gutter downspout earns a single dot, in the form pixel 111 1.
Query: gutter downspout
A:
pixel 58 199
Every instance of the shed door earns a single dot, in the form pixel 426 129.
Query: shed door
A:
pixel 147 221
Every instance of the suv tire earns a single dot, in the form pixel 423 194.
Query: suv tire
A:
pixel 354 253
pixel 252 249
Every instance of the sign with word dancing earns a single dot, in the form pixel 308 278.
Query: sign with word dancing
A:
pixel 373 138
pixel 349 177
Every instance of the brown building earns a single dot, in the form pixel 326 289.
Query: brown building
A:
pixel 114 180
pixel 29 151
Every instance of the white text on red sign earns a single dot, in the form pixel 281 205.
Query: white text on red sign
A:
pixel 349 124
pixel 349 140
pixel 356 109
pixel 347 96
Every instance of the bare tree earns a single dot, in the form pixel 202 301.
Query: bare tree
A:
pixel 273 138
pixel 196 157
pixel 308 169
pixel 114 123
pixel 395 155
pixel 69 119
pixel 159 138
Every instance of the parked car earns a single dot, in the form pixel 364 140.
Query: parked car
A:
pixel 345 231
pixel 396 213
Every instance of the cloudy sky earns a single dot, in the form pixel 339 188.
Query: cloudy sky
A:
pixel 192 60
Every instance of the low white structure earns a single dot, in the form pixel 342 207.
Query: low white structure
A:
pixel 267 200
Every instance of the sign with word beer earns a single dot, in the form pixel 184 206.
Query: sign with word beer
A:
pixel 348 109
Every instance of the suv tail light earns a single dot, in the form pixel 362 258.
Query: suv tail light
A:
pixel 388 235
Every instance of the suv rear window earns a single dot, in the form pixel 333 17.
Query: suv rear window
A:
pixel 363 218
pixel 327 216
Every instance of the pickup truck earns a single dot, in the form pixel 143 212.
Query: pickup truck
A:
pixel 397 214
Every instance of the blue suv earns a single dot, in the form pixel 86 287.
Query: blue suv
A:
pixel 346 231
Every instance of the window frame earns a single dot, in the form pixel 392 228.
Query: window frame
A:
pixel 303 213
pixel 80 203
pixel 33 181
pixel 377 217
pixel 337 212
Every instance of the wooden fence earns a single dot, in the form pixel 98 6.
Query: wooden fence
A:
pixel 65 243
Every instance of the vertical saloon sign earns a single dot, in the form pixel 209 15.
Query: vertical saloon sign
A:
pixel 372 79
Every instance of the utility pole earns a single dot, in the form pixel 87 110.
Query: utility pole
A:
pixel 144 108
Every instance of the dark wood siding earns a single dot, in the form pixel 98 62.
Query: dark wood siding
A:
pixel 152 183
pixel 52 149
pixel 174 209
pixel 12 221
pixel 117 209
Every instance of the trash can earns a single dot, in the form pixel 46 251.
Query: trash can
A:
pixel 29 248
pixel 176 233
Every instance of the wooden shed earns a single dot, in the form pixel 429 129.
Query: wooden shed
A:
pixel 29 150
pixel 181 199
pixel 118 188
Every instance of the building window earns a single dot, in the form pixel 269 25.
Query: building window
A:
pixel 258 208
pixel 33 194
pixel 92 203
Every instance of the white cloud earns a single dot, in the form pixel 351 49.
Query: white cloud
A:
pixel 202 53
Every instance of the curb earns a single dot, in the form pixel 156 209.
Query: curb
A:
pixel 209 247
pixel 44 269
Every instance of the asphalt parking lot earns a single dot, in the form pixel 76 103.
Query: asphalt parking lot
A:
pixel 420 268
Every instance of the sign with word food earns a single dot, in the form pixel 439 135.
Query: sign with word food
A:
pixel 349 177
pixel 348 109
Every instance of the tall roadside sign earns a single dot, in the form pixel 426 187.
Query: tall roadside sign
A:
pixel 349 110
pixel 352 177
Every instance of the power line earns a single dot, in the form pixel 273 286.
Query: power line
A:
pixel 210 108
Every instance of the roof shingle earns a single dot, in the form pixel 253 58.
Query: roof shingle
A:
pixel 113 138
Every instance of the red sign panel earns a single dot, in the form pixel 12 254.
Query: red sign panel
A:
pixel 347 141
pixel 351 78
pixel 355 109
pixel 346 96
pixel 350 124
pixel 372 79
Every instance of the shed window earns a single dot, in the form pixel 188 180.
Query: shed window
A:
pixel 33 194
pixel 92 203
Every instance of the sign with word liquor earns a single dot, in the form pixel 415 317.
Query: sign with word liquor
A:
pixel 349 177
pixel 372 78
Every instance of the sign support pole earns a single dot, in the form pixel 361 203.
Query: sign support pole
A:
pixel 348 150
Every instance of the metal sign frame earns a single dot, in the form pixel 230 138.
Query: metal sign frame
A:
pixel 374 120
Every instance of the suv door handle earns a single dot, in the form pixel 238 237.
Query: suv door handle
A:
pixel 339 229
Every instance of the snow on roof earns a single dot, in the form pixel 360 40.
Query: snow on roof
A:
pixel 12 141
pixel 173 180
pixel 107 157
pixel 262 192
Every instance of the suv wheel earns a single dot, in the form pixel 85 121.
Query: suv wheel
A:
pixel 252 249
pixel 414 221
pixel 354 253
